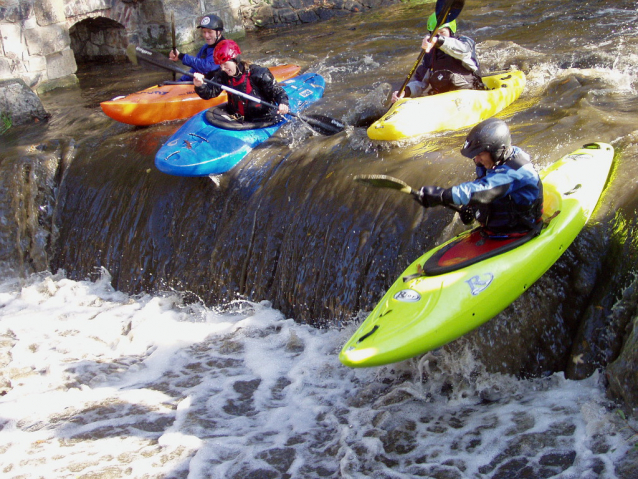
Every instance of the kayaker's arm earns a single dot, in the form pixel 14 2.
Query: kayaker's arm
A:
pixel 274 93
pixel 203 62
pixel 461 48
pixel 206 90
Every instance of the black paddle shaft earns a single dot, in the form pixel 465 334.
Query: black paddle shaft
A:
pixel 446 11
pixel 330 127
pixel 385 181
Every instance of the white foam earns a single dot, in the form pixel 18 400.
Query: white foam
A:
pixel 106 383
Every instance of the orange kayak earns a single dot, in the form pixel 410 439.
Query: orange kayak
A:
pixel 171 102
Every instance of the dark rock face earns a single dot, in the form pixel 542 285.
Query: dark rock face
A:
pixel 282 13
pixel 19 103
pixel 623 373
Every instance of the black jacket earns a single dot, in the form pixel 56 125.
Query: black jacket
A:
pixel 252 79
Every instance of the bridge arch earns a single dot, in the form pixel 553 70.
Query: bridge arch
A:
pixel 98 39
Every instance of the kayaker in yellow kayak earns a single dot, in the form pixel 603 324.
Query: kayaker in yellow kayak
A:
pixel 450 63
pixel 507 195
pixel 244 77
pixel 211 28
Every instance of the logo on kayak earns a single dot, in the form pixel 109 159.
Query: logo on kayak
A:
pixel 305 93
pixel 479 283
pixel 580 156
pixel 407 296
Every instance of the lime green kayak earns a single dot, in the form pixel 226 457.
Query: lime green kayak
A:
pixel 459 285
pixel 410 117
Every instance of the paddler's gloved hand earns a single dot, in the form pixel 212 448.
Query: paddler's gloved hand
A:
pixel 467 215
pixel 430 196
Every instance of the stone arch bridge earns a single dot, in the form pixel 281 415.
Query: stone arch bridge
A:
pixel 41 41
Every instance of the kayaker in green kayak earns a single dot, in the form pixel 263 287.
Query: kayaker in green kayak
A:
pixel 450 63
pixel 507 195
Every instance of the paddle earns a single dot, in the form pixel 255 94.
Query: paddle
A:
pixel 323 125
pixel 173 38
pixel 384 181
pixel 446 11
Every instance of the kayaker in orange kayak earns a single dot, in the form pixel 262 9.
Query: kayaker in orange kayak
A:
pixel 212 28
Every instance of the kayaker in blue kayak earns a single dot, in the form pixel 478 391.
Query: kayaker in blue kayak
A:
pixel 211 28
pixel 507 195
pixel 450 63
pixel 245 77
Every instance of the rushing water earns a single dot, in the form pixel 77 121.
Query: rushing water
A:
pixel 193 365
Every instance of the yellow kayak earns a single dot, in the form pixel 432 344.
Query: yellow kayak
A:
pixel 461 284
pixel 410 117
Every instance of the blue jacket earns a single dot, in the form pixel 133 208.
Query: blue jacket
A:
pixel 508 197
pixel 201 63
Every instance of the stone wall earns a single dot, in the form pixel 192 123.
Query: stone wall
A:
pixel 35 42
pixel 41 40
pixel 278 13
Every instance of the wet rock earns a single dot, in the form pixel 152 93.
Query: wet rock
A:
pixel 563 460
pixel 280 458
pixel 243 405
pixel 370 107
pixel 628 467
pixel 622 374
pixel 19 104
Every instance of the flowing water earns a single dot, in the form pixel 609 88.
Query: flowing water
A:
pixel 190 327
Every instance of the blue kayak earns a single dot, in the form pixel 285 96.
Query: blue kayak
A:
pixel 199 148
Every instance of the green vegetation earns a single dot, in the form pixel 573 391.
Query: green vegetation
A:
pixel 633 438
pixel 5 122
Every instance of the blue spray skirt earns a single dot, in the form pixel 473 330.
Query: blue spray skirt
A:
pixel 199 148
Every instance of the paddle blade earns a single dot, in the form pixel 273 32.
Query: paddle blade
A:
pixel 384 181
pixel 448 10
pixel 137 54
pixel 322 124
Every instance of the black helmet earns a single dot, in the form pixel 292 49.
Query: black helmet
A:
pixel 491 135
pixel 212 22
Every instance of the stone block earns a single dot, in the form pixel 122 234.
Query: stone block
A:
pixel 308 16
pixel 19 102
pixel 33 78
pixel 64 82
pixel 154 11
pixel 15 11
pixel 53 38
pixel 34 41
pixel 61 64
pixel 49 12
pixel 325 13
pixel 11 39
pixel 287 15
pixel 73 9
pixel 353 6
pixel 296 4
pixel 97 37
pixel 263 16
pixel 36 63
pixel 5 68
pixel 30 22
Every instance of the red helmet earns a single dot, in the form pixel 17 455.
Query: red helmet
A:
pixel 225 50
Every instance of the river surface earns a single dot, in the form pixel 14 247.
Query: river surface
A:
pixel 156 326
